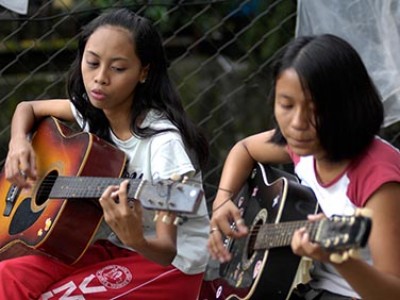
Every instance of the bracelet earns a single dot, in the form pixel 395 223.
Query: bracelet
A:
pixel 225 201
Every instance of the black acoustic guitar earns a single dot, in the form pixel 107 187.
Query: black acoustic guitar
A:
pixel 274 204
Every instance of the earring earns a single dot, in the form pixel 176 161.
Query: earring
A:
pixel 143 80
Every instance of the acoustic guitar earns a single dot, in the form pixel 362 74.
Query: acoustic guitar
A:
pixel 274 204
pixel 60 214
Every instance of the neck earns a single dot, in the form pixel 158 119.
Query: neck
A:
pixel 327 170
pixel 120 124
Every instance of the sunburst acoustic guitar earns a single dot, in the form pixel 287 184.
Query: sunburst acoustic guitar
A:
pixel 60 215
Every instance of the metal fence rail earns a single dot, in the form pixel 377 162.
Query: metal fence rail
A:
pixel 219 52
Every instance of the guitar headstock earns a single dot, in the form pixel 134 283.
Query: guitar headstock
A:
pixel 343 234
pixel 169 195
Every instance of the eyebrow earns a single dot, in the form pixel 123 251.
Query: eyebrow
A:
pixel 112 59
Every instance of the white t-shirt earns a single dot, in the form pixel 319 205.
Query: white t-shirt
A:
pixel 379 164
pixel 158 158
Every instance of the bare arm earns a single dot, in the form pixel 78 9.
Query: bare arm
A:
pixel 238 165
pixel 382 280
pixel 20 162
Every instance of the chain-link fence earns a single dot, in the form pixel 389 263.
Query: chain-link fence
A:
pixel 219 53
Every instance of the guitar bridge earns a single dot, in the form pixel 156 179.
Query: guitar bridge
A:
pixel 12 194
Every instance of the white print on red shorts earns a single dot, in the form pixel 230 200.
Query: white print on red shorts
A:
pixel 114 276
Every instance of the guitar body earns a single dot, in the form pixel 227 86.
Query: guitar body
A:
pixel 270 196
pixel 32 223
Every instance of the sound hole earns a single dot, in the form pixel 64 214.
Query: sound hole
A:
pixel 45 188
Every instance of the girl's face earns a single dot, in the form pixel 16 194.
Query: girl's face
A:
pixel 111 69
pixel 295 114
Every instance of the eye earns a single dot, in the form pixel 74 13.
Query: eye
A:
pixel 285 104
pixel 92 64
pixel 118 69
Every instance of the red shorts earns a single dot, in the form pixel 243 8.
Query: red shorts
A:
pixel 104 272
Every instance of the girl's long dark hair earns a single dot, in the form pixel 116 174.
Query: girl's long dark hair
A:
pixel 157 92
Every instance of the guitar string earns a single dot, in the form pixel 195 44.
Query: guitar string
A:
pixel 47 185
pixel 280 234
pixel 282 230
pixel 48 182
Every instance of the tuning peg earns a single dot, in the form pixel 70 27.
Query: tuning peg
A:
pixel 178 221
pixel 176 177
pixel 156 215
pixel 338 258
pixel 345 238
pixel 327 243
pixel 354 253
pixel 166 219
pixel 336 240
pixel 364 212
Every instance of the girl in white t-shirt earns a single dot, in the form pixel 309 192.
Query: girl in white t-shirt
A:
pixel 119 89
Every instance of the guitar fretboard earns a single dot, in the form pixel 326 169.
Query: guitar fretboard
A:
pixel 88 187
pixel 280 234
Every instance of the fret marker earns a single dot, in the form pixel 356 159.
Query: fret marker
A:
pixel 275 201
pixel 47 225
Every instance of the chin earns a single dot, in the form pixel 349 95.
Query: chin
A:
pixel 96 104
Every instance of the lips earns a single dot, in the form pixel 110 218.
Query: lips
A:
pixel 97 94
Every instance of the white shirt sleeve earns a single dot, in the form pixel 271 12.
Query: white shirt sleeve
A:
pixel 169 157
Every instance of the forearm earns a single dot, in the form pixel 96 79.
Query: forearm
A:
pixel 237 168
pixel 241 160
pixel 161 251
pixel 23 121
pixel 368 282
pixel 160 248
pixel 28 113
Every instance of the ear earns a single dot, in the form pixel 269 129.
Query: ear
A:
pixel 144 73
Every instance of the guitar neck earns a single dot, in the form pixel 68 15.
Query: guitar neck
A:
pixel 280 234
pixel 89 187
pixel 163 195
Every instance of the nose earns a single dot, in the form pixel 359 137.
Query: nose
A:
pixel 301 118
pixel 101 77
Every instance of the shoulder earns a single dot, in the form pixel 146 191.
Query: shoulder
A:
pixel 378 165
pixel 158 121
pixel 380 157
pixel 169 133
pixel 262 149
